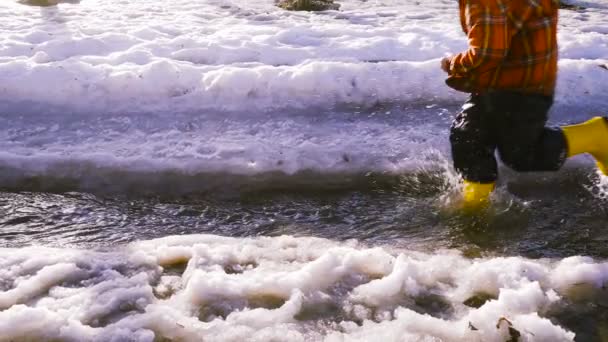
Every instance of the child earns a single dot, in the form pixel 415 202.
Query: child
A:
pixel 510 71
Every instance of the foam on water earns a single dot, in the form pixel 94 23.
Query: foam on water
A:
pixel 286 289
pixel 599 188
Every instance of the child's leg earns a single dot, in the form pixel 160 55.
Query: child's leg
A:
pixel 473 143
pixel 524 143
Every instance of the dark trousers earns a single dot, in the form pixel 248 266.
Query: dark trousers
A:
pixel 513 123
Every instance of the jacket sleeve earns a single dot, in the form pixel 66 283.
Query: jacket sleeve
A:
pixel 489 36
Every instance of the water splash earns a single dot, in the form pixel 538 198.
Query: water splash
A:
pixel 599 186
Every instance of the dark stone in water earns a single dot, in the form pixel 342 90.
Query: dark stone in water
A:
pixel 308 5
pixel 47 3
pixel 266 301
pixel 564 5
pixel 43 3
pixel 319 311
pixel 432 304
pixel 478 300
pixel 514 334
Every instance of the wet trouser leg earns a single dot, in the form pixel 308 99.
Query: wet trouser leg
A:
pixel 514 124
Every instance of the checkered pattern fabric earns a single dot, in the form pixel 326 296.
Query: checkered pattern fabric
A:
pixel 512 46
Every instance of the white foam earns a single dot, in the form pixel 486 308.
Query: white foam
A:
pixel 599 188
pixel 229 289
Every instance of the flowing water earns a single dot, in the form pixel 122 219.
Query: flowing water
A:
pixel 344 229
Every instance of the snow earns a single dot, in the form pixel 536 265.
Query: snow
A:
pixel 256 289
pixel 116 56
pixel 95 87
pixel 112 91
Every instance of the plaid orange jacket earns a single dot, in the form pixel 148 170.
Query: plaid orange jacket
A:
pixel 512 46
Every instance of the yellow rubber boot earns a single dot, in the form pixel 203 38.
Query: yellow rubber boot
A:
pixel 589 137
pixel 476 195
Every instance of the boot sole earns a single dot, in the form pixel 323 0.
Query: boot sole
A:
pixel 602 164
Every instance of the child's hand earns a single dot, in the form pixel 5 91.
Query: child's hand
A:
pixel 445 64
